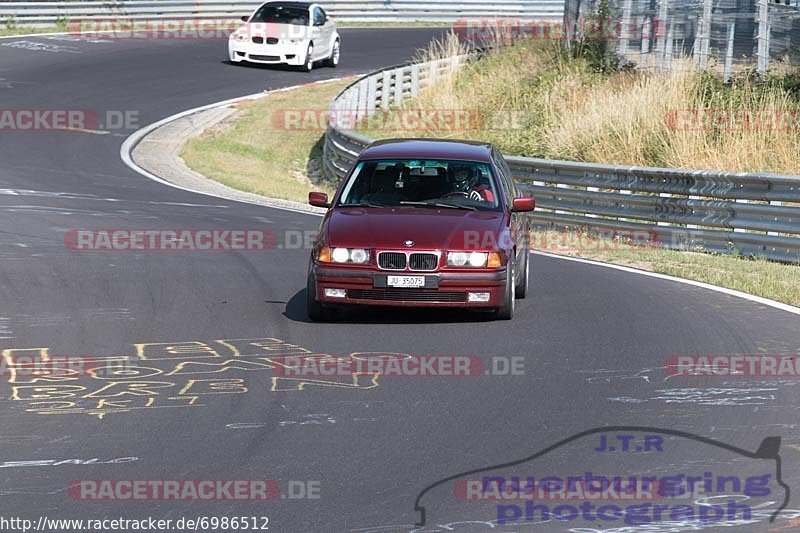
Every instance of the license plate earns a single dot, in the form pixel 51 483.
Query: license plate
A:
pixel 406 281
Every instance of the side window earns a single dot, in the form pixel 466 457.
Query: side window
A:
pixel 319 16
pixel 507 170
pixel 505 176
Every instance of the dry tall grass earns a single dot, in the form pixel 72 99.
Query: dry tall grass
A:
pixel 448 46
pixel 570 112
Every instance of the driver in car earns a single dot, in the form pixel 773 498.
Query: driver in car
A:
pixel 467 181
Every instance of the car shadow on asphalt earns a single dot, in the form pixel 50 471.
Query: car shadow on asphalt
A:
pixel 296 311
pixel 263 66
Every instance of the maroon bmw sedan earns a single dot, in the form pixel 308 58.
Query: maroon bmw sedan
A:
pixel 422 223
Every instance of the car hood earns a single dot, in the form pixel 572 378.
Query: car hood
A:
pixel 432 229
pixel 271 29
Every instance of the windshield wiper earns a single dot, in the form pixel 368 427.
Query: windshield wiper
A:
pixel 441 204
pixel 363 204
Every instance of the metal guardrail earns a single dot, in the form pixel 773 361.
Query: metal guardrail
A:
pixel 51 13
pixel 750 214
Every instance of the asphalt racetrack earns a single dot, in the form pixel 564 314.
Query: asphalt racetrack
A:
pixel 202 397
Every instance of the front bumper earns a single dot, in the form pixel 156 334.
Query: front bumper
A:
pixel 268 54
pixel 442 289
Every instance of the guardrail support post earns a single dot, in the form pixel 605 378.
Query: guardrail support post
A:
pixel 397 86
pixel 361 99
pixel 372 96
pixel 664 195
pixel 739 201
pixel 776 204
pixel 386 90
pixel 692 226
pixel 592 189
pixel 414 80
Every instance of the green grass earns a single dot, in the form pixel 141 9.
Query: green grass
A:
pixel 15 30
pixel 253 152
pixel 750 275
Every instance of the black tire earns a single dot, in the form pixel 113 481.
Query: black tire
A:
pixel 506 311
pixel 316 311
pixel 308 66
pixel 333 60
pixel 522 286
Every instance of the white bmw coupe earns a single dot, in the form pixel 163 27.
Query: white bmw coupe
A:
pixel 289 33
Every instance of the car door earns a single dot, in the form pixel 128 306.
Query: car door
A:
pixel 519 221
pixel 322 30
pixel 328 31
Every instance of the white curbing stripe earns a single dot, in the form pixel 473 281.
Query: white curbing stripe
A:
pixel 730 292
pixel 136 137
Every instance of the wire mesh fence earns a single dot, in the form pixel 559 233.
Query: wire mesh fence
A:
pixel 722 35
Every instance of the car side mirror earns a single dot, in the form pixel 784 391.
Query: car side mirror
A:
pixel 245 18
pixel 523 205
pixel 318 199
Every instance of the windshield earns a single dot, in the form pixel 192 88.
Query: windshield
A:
pixel 281 14
pixel 437 183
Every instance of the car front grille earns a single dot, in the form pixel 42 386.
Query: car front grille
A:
pixel 272 40
pixel 258 40
pixel 423 261
pixel 264 58
pixel 406 295
pixel 392 260
pixel 417 261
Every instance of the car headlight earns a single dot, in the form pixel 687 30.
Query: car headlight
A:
pixel 458 259
pixel 239 37
pixel 474 259
pixel 292 41
pixel 343 255
pixel 359 255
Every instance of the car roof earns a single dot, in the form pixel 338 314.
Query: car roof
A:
pixel 304 5
pixel 428 149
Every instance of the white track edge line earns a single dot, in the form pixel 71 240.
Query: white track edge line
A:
pixel 136 137
pixel 730 292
